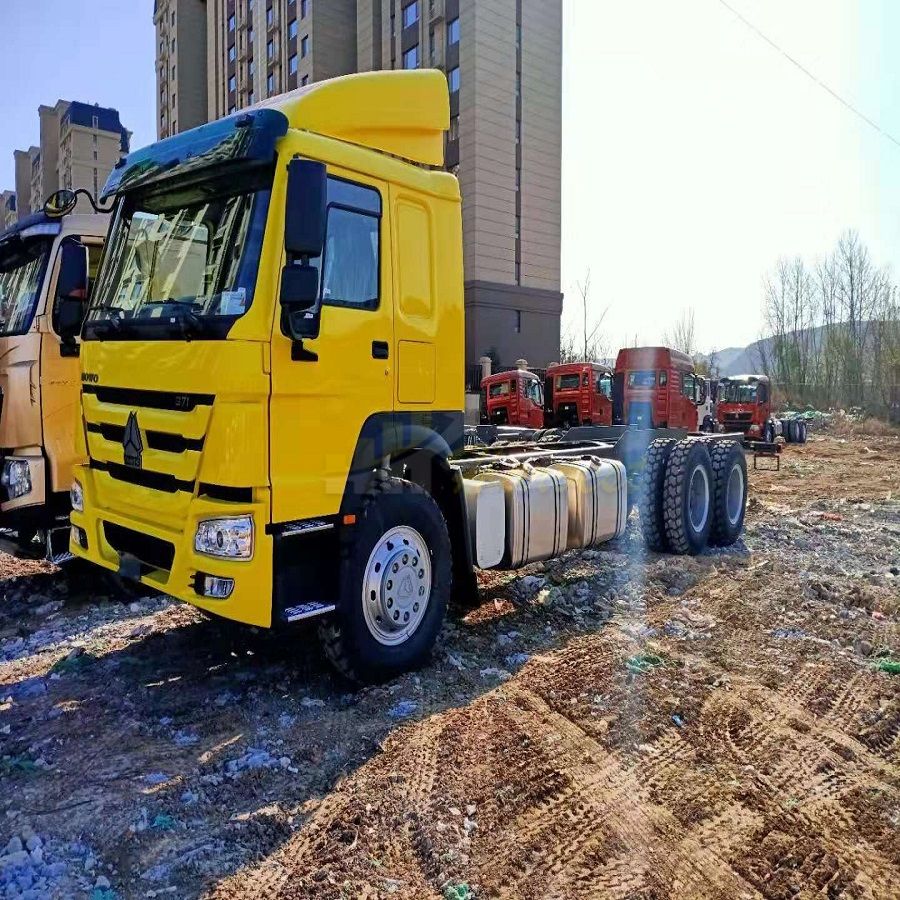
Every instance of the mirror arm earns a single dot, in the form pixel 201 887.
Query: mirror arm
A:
pixel 97 207
pixel 299 353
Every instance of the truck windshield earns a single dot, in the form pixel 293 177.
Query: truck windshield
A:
pixel 21 277
pixel 499 390
pixel 641 379
pixel 568 382
pixel 181 266
pixel 737 392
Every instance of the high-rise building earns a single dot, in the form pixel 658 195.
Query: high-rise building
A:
pixel 8 216
pixel 503 61
pixel 181 85
pixel 80 143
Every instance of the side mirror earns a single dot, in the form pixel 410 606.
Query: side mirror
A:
pixel 304 217
pixel 71 292
pixel 60 203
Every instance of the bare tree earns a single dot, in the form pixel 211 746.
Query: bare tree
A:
pixel 588 346
pixel 682 335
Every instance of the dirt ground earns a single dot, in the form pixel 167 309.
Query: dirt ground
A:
pixel 615 725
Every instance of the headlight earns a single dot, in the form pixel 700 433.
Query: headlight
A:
pixel 76 496
pixel 16 478
pixel 231 538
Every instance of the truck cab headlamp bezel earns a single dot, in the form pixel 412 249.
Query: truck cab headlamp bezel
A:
pixel 225 538
pixel 15 478
pixel 76 496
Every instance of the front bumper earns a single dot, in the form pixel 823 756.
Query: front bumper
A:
pixel 164 558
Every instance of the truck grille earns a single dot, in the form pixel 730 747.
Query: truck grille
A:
pixel 149 399
pixel 151 551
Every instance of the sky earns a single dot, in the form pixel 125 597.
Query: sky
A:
pixel 694 154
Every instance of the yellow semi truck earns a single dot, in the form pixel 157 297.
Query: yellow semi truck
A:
pixel 272 385
pixel 45 259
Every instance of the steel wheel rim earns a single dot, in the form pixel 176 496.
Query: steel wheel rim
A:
pixel 698 499
pixel 734 495
pixel 396 586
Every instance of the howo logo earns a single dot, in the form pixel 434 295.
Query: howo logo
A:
pixel 90 377
pixel 132 443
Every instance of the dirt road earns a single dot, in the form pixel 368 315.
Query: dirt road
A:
pixel 617 725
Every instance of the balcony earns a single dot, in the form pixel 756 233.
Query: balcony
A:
pixel 435 11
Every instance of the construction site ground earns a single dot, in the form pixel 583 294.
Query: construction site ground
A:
pixel 617 724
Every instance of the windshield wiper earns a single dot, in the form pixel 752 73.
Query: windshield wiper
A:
pixel 188 323
pixel 114 326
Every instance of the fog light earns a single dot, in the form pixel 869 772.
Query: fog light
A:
pixel 79 537
pixel 16 478
pixel 217 588
pixel 231 538
pixel 76 496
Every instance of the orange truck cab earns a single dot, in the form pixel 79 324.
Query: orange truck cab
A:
pixel 514 398
pixel 745 405
pixel 656 387
pixel 578 394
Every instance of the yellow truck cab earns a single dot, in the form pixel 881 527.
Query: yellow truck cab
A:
pixel 280 311
pixel 43 261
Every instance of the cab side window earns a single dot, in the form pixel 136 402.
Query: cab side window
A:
pixel 663 378
pixel 351 261
pixel 689 385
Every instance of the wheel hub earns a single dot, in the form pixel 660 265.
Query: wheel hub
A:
pixel 698 499
pixel 397 585
pixel 735 495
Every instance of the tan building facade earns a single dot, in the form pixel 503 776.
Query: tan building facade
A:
pixel 80 143
pixel 503 61
pixel 8 215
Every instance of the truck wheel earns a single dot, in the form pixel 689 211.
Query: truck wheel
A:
pixel 729 468
pixel 395 581
pixel 802 436
pixel 687 497
pixel 651 496
pixel 768 434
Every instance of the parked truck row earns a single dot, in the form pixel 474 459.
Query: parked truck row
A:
pixel 650 387
pixel 270 422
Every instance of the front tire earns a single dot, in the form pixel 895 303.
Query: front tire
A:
pixel 729 468
pixel 687 498
pixel 395 582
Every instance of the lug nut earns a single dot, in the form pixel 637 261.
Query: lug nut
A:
pixel 396 616
pixel 405 617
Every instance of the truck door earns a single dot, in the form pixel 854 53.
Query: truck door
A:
pixel 618 398
pixel 338 393
pixel 60 383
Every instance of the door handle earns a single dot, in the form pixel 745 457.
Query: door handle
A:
pixel 380 350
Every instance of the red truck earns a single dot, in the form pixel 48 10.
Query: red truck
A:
pixel 745 405
pixel 577 394
pixel 656 387
pixel 513 398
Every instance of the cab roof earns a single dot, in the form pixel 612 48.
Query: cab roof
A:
pixel 746 379
pixel 404 114
pixel 653 357
pixel 398 112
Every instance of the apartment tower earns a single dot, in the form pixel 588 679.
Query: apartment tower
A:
pixel 80 143
pixel 503 61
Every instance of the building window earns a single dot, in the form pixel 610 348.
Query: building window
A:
pixel 231 110
pixel 249 6
pixel 453 133
pixel 305 81
pixel 251 98
pixel 270 16
pixel 173 16
pixel 304 46
pixel 96 122
pixel 411 58
pixel 518 321
pixel 270 49
pixel 432 50
pixel 292 30
pixel 231 53
pixel 251 69
pixel 95 154
pixel 173 99
pixel 411 14
pixel 231 23
pixel 453 79
pixel 453 32
pixel 173 78
pixel 270 84
pixel 250 38
pixel 173 45
pixel 292 64
pixel 304 8
pixel 232 84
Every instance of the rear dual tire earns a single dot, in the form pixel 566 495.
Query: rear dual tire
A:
pixel 694 494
